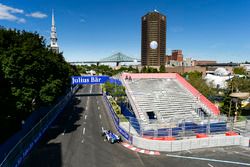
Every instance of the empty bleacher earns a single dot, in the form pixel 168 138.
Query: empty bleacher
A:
pixel 167 95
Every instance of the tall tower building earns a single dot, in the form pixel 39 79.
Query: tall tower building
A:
pixel 153 39
pixel 53 37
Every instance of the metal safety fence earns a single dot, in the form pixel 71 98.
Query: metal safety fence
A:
pixel 241 126
pixel 16 154
pixel 116 119
pixel 186 128
pixel 177 128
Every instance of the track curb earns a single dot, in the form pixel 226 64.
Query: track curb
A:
pixel 139 150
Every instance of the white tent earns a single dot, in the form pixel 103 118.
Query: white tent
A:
pixel 221 72
pixel 221 75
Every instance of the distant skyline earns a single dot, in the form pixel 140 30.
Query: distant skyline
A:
pixel 90 30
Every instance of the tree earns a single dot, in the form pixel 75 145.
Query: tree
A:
pixel 144 69
pixel 114 89
pixel 162 69
pixel 148 70
pixel 240 70
pixel 195 79
pixel 32 75
pixel 239 85
pixel 229 103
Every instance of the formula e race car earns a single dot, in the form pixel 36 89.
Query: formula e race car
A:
pixel 111 137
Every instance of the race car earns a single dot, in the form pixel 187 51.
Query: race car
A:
pixel 111 137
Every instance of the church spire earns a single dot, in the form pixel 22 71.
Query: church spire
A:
pixel 53 18
pixel 53 37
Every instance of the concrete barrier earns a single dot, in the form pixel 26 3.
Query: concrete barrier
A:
pixel 189 144
pixel 204 142
pixel 165 146
pixel 229 141
pixel 194 143
pixel 176 145
pixel 213 142
pixel 221 141
pixel 237 141
pixel 186 145
pixel 244 141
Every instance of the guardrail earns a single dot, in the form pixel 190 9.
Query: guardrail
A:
pixel 15 156
pixel 116 120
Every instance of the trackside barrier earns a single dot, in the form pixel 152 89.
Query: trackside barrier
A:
pixel 115 118
pixel 131 117
pixel 189 144
pixel 16 155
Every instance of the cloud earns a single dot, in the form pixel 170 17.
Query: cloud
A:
pixel 38 15
pixel 7 13
pixel 10 9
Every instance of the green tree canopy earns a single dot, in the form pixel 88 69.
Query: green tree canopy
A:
pixel 31 75
pixel 240 70
pixel 162 69
pixel 149 69
pixel 195 79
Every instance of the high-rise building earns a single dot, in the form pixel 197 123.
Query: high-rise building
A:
pixel 153 39
pixel 53 37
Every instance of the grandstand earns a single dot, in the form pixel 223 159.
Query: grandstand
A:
pixel 168 97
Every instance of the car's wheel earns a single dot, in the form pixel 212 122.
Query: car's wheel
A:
pixel 120 139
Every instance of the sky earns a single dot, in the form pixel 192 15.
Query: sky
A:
pixel 90 30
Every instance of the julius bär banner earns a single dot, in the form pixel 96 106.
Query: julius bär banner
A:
pixel 89 79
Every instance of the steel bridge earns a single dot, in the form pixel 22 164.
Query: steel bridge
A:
pixel 115 58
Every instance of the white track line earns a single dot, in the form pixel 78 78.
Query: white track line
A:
pixel 85 117
pixel 100 116
pixel 87 104
pixel 90 88
pixel 207 159
pixel 83 131
pixel 142 151
pixel 210 165
pixel 133 148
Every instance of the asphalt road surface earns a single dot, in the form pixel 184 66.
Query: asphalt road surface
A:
pixel 75 140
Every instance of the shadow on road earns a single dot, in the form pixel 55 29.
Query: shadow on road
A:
pixel 66 122
pixel 48 155
pixel 47 152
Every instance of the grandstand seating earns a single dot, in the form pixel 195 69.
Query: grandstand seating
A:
pixel 168 95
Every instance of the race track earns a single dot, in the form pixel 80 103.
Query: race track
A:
pixel 75 140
